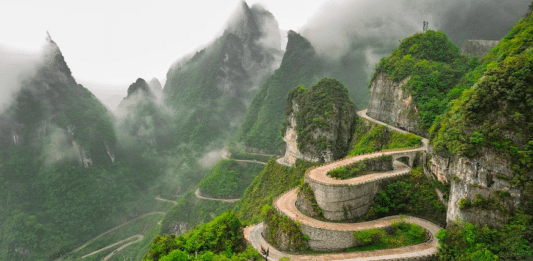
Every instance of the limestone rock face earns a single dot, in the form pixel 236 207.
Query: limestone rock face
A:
pixel 478 48
pixel 291 152
pixel 484 176
pixel 390 104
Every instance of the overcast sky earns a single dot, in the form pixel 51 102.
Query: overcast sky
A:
pixel 109 43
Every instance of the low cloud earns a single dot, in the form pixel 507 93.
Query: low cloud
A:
pixel 15 66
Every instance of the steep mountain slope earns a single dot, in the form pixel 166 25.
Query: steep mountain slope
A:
pixel 63 175
pixel 485 138
pixel 210 91
pixel 261 126
pixel 483 147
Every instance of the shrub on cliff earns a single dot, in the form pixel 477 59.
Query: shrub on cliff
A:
pixel 369 137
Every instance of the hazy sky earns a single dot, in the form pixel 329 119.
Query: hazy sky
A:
pixel 109 44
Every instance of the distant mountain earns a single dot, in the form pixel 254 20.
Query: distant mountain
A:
pixel 156 87
pixel 142 117
pixel 63 175
pixel 211 91
pixel 52 105
pixel 261 128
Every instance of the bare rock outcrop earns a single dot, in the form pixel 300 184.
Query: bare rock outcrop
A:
pixel 484 176
pixel 391 104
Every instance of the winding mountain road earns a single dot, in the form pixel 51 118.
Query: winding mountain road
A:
pixel 113 229
pixel 286 205
pixel 231 200
pixel 166 200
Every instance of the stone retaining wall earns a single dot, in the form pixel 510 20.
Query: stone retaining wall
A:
pixel 344 202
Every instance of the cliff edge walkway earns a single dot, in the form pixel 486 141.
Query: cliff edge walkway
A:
pixel 340 235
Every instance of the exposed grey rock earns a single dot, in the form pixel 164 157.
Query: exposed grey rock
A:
pixel 389 103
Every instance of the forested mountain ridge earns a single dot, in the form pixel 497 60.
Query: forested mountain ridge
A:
pixel 63 174
pixel 210 91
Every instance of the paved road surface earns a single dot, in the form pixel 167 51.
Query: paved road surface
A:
pixel 166 200
pixel 197 193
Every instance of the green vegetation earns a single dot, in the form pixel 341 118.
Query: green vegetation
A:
pixel 229 179
pixel 412 195
pixel 435 66
pixel 370 137
pixel 401 234
pixel 273 181
pixel 220 239
pixel 265 115
pixel 279 226
pixel 359 168
pixel 465 241
pixel 323 109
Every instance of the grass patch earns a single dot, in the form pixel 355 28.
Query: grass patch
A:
pixel 370 137
pixel 362 167
pixel 401 234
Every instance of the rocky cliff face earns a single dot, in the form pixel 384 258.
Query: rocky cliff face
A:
pixel 478 48
pixel 389 103
pixel 486 175
pixel 319 123
pixel 291 152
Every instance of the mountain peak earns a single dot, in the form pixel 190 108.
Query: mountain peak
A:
pixel 53 58
pixel 242 23
pixel 140 85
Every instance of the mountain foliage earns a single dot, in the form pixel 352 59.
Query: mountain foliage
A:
pixel 210 91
